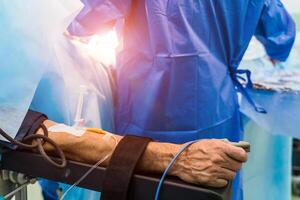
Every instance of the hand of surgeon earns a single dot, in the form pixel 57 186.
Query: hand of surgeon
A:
pixel 209 162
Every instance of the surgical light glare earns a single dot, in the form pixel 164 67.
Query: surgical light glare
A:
pixel 103 47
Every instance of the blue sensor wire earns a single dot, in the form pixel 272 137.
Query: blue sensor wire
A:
pixel 169 166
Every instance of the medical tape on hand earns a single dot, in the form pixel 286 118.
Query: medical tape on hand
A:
pixel 107 135
pixel 58 128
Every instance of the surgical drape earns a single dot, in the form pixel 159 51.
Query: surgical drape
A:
pixel 19 75
pixel 42 69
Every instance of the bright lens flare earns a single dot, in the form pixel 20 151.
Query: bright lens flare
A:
pixel 103 47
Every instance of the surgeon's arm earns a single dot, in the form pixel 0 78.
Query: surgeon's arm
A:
pixel 276 30
pixel 208 162
pixel 98 16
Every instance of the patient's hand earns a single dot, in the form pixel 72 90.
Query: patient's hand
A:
pixel 210 162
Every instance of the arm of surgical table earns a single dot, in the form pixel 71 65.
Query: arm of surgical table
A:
pixel 142 186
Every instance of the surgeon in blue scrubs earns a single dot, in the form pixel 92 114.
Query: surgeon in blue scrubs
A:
pixel 177 74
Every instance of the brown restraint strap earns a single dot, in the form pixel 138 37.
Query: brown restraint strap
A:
pixel 121 167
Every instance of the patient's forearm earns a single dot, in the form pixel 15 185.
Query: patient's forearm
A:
pixel 91 147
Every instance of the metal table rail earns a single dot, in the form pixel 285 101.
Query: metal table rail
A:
pixel 142 187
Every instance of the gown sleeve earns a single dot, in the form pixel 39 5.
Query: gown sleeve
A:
pixel 98 15
pixel 276 30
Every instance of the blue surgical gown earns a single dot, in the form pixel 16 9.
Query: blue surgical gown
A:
pixel 177 74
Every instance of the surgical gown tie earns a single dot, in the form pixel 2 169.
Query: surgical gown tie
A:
pixel 236 77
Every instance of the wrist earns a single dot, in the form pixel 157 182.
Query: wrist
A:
pixel 166 154
pixel 158 156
